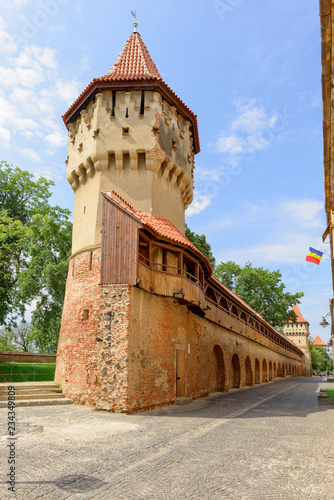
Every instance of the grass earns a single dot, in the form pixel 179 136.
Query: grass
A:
pixel 330 393
pixel 27 372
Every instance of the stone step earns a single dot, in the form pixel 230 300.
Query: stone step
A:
pixel 39 402
pixel 183 401
pixel 33 394
pixel 27 385
pixel 42 390
pixel 28 395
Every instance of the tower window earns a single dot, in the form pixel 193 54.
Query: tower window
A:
pixel 127 113
pixel 125 130
pixel 113 104
pixel 142 103
pixel 85 314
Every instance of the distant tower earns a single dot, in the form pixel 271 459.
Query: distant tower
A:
pixel 319 343
pixel 129 132
pixel 299 333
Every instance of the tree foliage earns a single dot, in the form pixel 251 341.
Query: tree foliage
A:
pixel 7 340
pixel 262 289
pixel 16 337
pixel 321 361
pixel 201 244
pixel 35 243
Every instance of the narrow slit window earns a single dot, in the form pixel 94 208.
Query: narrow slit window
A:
pixel 113 105
pixel 142 103
pixel 127 113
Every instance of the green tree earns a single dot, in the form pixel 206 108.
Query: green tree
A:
pixel 321 361
pixel 16 337
pixel 7 340
pixel 201 244
pixel 13 259
pixel 262 289
pixel 35 243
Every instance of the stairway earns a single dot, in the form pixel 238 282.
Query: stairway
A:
pixel 33 394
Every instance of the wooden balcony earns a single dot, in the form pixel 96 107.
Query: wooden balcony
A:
pixel 171 282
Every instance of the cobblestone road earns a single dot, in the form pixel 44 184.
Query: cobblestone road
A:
pixel 268 442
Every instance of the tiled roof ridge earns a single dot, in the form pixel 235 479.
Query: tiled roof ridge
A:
pixel 120 198
pixel 151 222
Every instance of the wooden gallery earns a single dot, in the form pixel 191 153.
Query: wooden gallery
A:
pixel 144 321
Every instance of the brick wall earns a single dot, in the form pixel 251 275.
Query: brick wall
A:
pixel 26 357
pixel 118 343
pixel 92 349
pixel 159 326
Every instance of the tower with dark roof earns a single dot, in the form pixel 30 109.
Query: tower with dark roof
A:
pixel 129 132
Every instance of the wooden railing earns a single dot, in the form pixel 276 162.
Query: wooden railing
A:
pixel 182 285
pixel 156 278
pixel 218 314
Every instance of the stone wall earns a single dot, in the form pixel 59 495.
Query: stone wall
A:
pixel 92 350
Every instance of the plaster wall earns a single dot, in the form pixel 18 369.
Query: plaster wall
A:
pixel 146 158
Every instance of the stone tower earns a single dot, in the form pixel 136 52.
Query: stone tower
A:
pixel 144 320
pixel 129 133
pixel 299 333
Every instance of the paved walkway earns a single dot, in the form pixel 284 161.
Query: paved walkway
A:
pixel 268 442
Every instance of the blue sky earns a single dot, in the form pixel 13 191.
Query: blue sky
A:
pixel 250 70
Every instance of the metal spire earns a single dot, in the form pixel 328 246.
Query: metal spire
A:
pixel 135 24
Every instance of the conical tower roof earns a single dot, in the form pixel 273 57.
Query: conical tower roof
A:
pixel 133 69
pixel 134 62
pixel 318 342
pixel 300 318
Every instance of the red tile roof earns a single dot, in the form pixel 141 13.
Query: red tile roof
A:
pixel 318 341
pixel 157 223
pixel 165 229
pixel 300 318
pixel 135 67
pixel 134 62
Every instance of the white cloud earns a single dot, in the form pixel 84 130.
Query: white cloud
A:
pixel 31 155
pixel 230 144
pixel 5 136
pixel 68 91
pixel 200 203
pixel 252 129
pixel 54 172
pixel 32 89
pixel 20 3
pixel 56 139
pixel 287 231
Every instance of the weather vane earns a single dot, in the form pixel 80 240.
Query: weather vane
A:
pixel 135 24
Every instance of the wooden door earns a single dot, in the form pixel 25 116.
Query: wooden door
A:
pixel 180 372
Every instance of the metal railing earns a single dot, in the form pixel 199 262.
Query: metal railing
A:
pixel 5 376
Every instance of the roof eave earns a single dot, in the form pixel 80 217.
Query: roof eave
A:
pixel 156 85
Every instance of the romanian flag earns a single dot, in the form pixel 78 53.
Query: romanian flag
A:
pixel 314 256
